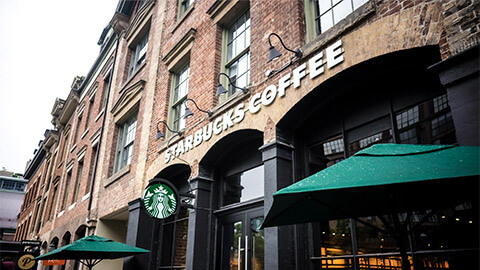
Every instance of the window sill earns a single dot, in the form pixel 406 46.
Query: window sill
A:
pixel 73 148
pixel 183 17
pixel 84 134
pixel 117 175
pixel 86 196
pixel 100 114
pixel 338 29
pixel 61 213
pixel 72 206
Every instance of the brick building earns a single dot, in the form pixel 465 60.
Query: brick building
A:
pixel 357 73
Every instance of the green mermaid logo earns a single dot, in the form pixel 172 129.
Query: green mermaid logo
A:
pixel 160 201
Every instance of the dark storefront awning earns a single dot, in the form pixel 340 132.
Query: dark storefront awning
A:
pixel 382 179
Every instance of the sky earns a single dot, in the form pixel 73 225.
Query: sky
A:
pixel 43 46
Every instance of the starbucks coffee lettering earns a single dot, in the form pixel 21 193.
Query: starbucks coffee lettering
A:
pixel 314 67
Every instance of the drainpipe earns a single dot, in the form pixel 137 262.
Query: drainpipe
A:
pixel 102 127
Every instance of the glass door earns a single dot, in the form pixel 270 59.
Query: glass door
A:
pixel 242 242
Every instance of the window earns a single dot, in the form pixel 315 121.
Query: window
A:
pixel 184 5
pixel 106 85
pixel 126 138
pixel 67 187
pixel 52 202
pixel 244 186
pixel 90 111
pixel 321 15
pixel 79 180
pixel 179 94
pixel 91 168
pixel 64 147
pixel 77 129
pixel 330 12
pixel 237 58
pixel 139 53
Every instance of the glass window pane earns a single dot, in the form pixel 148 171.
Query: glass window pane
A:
pixel 341 11
pixel 371 240
pixel 324 5
pixel 358 3
pixel 231 245
pixel 244 186
pixel 335 238
pixel 326 21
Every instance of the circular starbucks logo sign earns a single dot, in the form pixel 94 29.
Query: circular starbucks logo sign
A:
pixel 160 200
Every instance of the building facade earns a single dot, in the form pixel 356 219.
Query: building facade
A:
pixel 348 74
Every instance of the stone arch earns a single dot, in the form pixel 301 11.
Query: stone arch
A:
pixel 80 232
pixel 229 149
pixel 66 239
pixel 409 65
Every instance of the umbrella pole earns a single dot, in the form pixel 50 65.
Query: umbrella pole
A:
pixel 400 237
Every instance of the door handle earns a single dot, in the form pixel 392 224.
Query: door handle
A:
pixel 246 252
pixel 239 256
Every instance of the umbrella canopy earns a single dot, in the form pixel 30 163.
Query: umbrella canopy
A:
pixel 382 179
pixel 92 249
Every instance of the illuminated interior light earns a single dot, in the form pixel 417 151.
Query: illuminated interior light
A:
pixel 457 219
pixel 443 217
pixel 333 233
pixel 323 232
pixel 470 221
pixel 343 234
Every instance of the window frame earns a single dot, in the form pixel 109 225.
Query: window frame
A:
pixel 226 63
pixel 123 147
pixel 313 17
pixel 175 117
pixel 182 8
pixel 138 53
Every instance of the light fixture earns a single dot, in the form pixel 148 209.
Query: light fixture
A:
pixel 189 113
pixel 274 53
pixel 221 89
pixel 161 135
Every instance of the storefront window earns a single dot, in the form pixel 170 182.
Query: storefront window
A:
pixel 335 238
pixel 244 186
pixel 174 241
pixel 431 239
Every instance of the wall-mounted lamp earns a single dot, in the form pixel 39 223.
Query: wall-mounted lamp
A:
pixel 161 135
pixel 221 89
pixel 189 113
pixel 274 53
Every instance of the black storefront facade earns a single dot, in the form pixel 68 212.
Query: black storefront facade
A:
pixel 408 96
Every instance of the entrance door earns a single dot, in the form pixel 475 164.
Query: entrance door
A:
pixel 242 243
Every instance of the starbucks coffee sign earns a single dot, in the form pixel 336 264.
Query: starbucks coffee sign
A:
pixel 160 200
pixel 310 69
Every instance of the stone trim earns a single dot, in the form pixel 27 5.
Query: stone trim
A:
pixel 127 101
pixel 117 175
pixel 222 12
pixel 173 57
pixel 139 23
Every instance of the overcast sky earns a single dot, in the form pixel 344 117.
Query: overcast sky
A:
pixel 43 45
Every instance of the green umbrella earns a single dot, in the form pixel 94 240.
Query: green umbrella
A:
pixel 382 179
pixel 92 249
